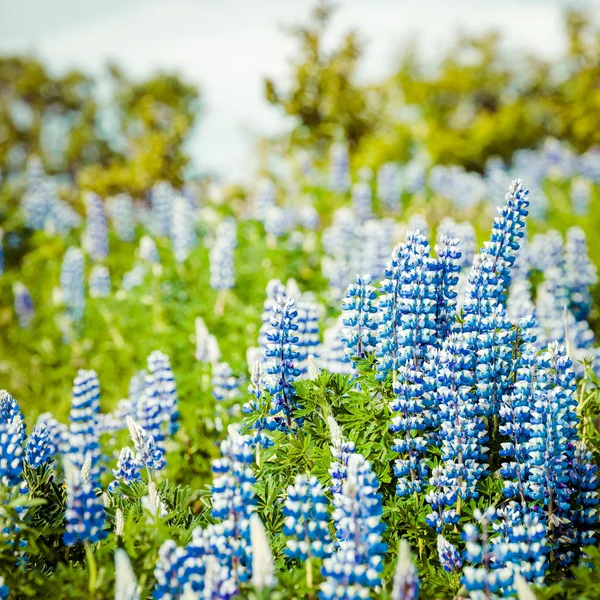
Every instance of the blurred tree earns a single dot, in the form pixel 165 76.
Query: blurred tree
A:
pixel 30 99
pixel 323 99
pixel 478 102
pixel 59 119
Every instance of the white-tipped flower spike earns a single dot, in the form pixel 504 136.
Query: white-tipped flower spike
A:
pixel 153 503
pixel 313 368
pixel 148 250
pixel 523 589
pixel 263 568
pixel 406 579
pixel 125 581
pixel 183 234
pixel 119 522
pixel 202 335
pixel 86 470
pixel 99 282
pixel 148 454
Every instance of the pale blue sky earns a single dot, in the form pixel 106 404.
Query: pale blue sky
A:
pixel 227 46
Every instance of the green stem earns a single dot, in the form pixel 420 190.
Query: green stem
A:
pixel 91 563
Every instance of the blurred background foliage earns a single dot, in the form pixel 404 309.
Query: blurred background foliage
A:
pixel 111 135
pixel 121 135
pixel 476 103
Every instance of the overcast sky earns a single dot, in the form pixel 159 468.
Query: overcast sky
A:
pixel 227 46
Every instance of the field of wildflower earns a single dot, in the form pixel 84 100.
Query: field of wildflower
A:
pixel 346 383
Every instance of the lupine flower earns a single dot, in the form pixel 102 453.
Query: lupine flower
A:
pixel 507 231
pixel 148 454
pixel 515 420
pixel 127 471
pixel 464 233
pixel 307 332
pixel 263 567
pixel 360 318
pixel 23 305
pixel 448 555
pixel 480 578
pixel 96 233
pixel 148 250
pixel 222 267
pixel 151 416
pixel 388 345
pixel 275 290
pixel 282 353
pixel 339 166
pixel 413 383
pixel 38 449
pixel 119 523
pixel 388 186
pixel 9 410
pixel 307 520
pixel 362 201
pixel 406 578
pixel 376 243
pixel 233 502
pixel 57 433
pixel 125 581
pixel 344 249
pixel 522 544
pixel 153 503
pixel 413 175
pixel 341 450
pixel 11 451
pixel 463 432
pixel 332 352
pixel 357 563
pixel 72 282
pixel 224 384
pixel 162 383
pixel 99 282
pixel 584 481
pixel 84 516
pixel 168 571
pixel 83 437
pixel 581 195
pixel 553 432
pixel 183 233
pixel 522 588
pixel 580 273
pixel 203 353
pixel 123 216
pixel 263 423
pixel 264 199
pixel 448 265
pixel 161 201
pixel 519 303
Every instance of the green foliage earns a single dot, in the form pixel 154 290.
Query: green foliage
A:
pixel 476 103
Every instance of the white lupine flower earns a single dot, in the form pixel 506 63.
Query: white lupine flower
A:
pixel 203 353
pixel 119 522
pixel 335 432
pixel 125 581
pixel 86 470
pixel 263 568
pixel 406 579
pixel 313 367
pixel 523 589
pixel 153 503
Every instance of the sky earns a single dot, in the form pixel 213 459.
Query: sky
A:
pixel 227 47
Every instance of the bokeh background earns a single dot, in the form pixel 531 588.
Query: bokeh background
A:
pixel 216 98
